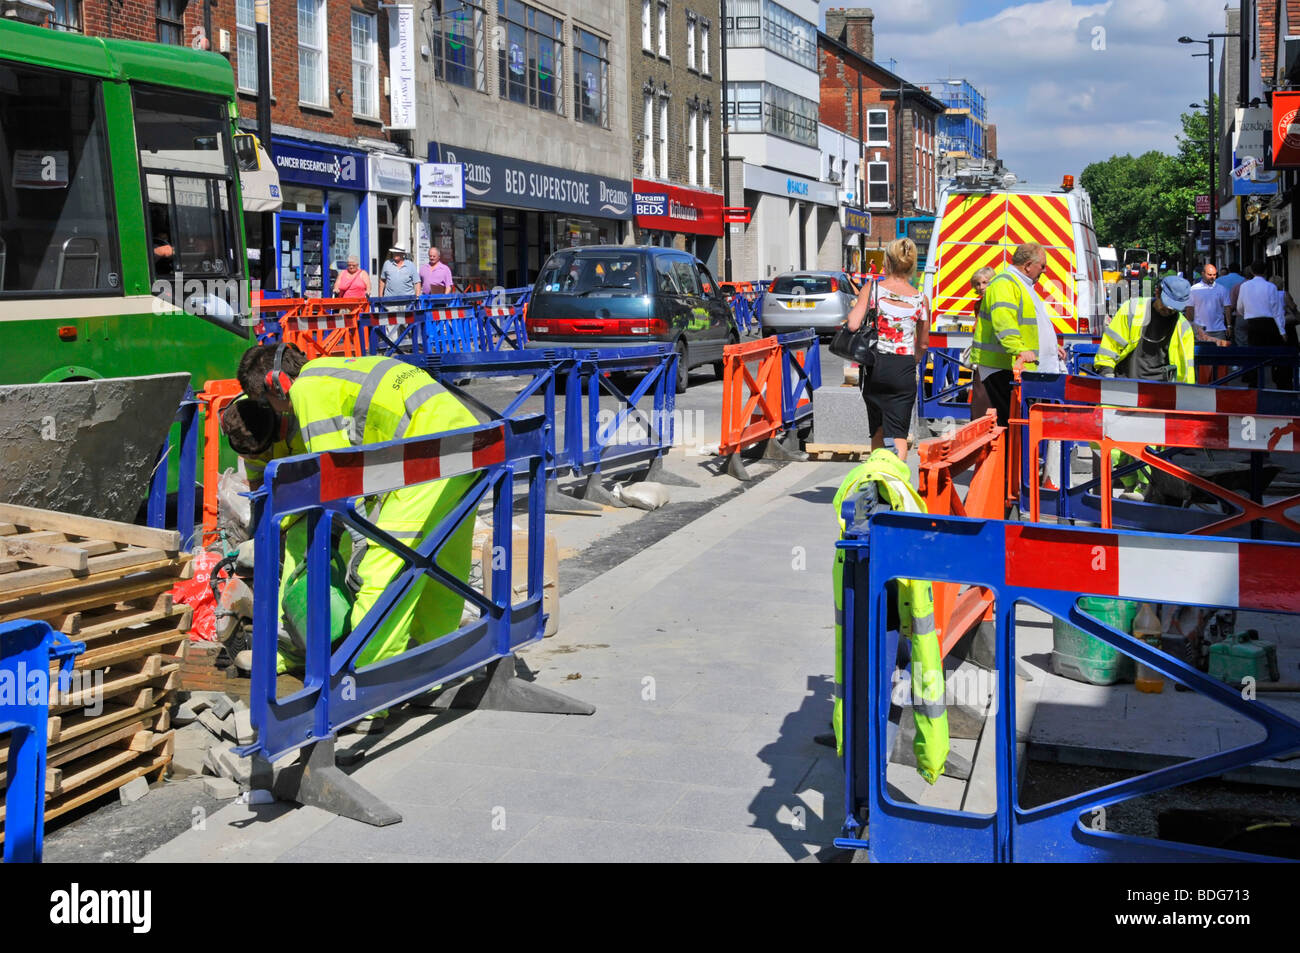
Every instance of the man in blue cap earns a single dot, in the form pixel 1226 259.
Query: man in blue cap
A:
pixel 1149 339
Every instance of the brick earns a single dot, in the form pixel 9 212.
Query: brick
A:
pixel 220 788
pixel 239 728
pixel 211 722
pixel 133 790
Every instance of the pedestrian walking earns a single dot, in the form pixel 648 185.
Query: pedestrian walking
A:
pixel 353 282
pixel 902 332
pixel 435 276
pixel 1259 309
pixel 398 277
pixel 1210 312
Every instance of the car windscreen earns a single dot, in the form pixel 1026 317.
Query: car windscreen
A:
pixel 803 285
pixel 616 274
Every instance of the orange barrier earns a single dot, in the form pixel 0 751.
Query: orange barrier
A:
pixel 981 445
pixel 276 308
pixel 737 287
pixel 751 402
pixel 325 327
pixel 214 397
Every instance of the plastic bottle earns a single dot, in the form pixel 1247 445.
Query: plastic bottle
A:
pixel 1146 626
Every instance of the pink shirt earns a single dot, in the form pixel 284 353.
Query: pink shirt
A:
pixel 352 286
pixel 431 275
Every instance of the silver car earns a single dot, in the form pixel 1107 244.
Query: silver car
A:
pixel 799 300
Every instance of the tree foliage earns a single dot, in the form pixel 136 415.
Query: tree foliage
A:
pixel 1144 201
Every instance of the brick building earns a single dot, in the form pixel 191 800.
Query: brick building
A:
pixel 346 185
pixel 860 98
pixel 674 96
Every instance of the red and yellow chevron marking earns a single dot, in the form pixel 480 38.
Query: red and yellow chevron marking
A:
pixel 973 218
pixel 957 263
pixel 1057 289
pixel 1039 218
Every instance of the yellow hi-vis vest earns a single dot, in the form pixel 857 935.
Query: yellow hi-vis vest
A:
pixel 1125 331
pixel 1007 324
pixel 915 615
pixel 350 401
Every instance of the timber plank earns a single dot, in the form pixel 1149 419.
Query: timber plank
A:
pixel 91 528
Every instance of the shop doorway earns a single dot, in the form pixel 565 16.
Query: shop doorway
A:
pixel 302 255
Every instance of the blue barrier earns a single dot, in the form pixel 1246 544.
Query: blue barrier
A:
pixel 325 488
pixel 801 374
pixel 1035 565
pixel 27 650
pixel 187 462
pixel 747 309
pixel 1243 361
pixel 945 394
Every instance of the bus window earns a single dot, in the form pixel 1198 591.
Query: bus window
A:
pixel 56 216
pixel 188 167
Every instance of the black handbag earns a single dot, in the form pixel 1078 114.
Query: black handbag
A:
pixel 858 346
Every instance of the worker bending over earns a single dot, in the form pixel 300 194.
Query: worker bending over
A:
pixel 345 402
pixel 1150 340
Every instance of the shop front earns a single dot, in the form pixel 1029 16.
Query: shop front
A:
pixel 516 213
pixel 791 224
pixel 388 222
pixel 687 219
pixel 324 216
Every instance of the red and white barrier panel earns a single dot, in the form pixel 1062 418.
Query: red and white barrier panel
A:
pixel 956 339
pixel 451 314
pixel 319 322
pixel 499 312
pixel 392 317
pixel 1187 569
pixel 1167 428
pixel 347 473
pixel 1161 396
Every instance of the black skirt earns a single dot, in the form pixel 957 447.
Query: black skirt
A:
pixel 890 394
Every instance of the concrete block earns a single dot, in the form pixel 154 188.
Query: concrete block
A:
pixel 188 711
pixel 841 416
pixel 86 447
pixel 242 723
pixel 133 790
pixel 188 762
pixel 209 720
pixel 231 766
pixel 222 705
pixel 212 758
pixel 220 788
pixel 194 737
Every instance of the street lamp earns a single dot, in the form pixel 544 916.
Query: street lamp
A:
pixel 1213 148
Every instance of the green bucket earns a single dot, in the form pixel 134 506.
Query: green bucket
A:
pixel 1080 656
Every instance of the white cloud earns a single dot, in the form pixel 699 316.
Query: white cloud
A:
pixel 1067 83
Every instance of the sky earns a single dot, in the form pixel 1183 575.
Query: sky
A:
pixel 1067 83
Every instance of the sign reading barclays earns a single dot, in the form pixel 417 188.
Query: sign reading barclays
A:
pixel 501 180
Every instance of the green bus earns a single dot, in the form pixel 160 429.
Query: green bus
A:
pixel 121 230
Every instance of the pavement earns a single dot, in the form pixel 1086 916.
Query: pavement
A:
pixel 709 657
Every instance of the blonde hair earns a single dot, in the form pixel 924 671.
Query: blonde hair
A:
pixel 900 257
pixel 986 273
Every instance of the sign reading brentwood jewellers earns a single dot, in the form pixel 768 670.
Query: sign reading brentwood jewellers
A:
pixel 501 180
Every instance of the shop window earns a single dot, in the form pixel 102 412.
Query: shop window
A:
pixel 57 227
pixel 531 56
pixel 458 48
pixel 365 65
pixel 591 78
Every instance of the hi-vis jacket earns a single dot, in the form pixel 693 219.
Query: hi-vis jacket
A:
pixel 1007 324
pixel 916 620
pixel 1125 331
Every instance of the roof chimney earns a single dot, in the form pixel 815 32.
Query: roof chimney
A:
pixel 852 27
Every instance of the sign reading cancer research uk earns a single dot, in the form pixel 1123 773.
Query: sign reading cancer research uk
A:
pixel 442 185
pixel 401 63
pixel 1286 129
pixel 1250 133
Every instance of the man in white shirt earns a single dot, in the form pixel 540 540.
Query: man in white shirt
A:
pixel 1257 307
pixel 1211 310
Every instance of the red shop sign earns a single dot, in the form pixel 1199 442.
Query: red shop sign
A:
pixel 671 208
pixel 1286 129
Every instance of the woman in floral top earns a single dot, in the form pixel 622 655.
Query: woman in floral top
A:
pixel 903 329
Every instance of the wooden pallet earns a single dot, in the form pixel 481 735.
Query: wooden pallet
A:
pixel 837 451
pixel 108 585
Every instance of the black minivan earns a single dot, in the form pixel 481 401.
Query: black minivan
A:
pixel 619 295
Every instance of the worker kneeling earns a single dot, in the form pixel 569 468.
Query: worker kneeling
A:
pixel 347 402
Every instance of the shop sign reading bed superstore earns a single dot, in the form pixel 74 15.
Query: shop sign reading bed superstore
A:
pixel 501 180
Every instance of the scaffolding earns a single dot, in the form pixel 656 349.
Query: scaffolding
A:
pixel 963 125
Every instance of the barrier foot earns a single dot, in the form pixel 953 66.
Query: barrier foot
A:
pixel 595 492
pixel 504 690
pixel 955 766
pixel 656 473
pixel 785 447
pixel 557 502
pixel 316 781
pixel 736 468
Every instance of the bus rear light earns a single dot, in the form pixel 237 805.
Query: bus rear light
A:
pixel 68 332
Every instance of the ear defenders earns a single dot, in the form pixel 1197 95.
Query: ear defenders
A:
pixel 277 381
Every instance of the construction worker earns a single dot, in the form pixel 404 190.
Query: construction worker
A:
pixel 1014 329
pixel 915 615
pixel 343 402
pixel 1149 339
